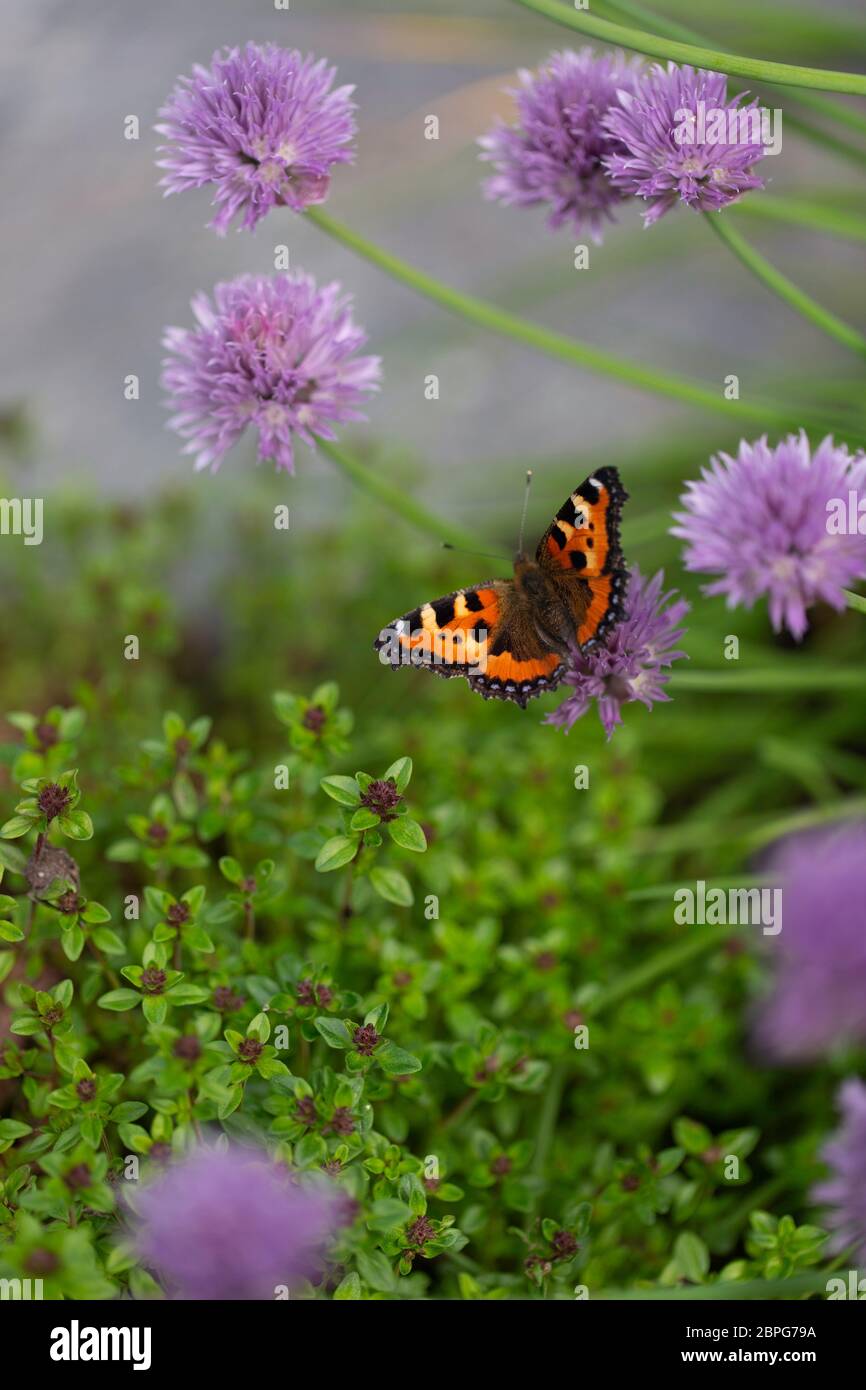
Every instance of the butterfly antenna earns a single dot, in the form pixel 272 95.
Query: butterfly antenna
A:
pixel 485 554
pixel 525 505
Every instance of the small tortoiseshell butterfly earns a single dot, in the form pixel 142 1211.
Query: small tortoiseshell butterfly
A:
pixel 511 638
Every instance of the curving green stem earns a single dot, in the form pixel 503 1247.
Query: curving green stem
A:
pixel 395 499
pixel 670 29
pixel 855 601
pixel 804 212
pixel 569 349
pixel 797 677
pixel 758 69
pixel 786 289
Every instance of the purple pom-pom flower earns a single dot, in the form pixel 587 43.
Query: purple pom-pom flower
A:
pixel 819 993
pixel 844 1192
pixel 684 142
pixel 555 153
pixel 263 124
pixel 270 351
pixel 630 663
pixel 230 1224
pixel 762 522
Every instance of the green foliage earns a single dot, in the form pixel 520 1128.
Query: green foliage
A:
pixel 384 975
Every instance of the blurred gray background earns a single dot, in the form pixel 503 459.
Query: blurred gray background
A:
pixel 95 263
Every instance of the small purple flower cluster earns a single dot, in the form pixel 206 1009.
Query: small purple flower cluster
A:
pixel 594 131
pixel 264 126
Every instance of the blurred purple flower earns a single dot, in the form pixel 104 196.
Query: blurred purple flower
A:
pixel 671 150
pixel 760 520
pixel 263 125
pixel 845 1189
pixel 629 663
pixel 231 1225
pixel 271 351
pixel 554 154
pixel 819 993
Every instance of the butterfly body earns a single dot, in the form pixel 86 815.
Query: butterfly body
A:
pixel 511 638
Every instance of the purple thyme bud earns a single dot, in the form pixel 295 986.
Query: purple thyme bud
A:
pixel 628 664
pixel 819 991
pixel 844 1192
pixel 315 719
pixel 53 800
pixel 556 152
pixel 157 832
pixel 670 127
pixel 264 125
pixel 85 1089
pixel 41 1262
pixel 226 1000
pixel 47 735
pixel 780 546
pixel 221 1226
pixel 78 1176
pixel 270 351
pixel 250 1050
pixel 305 1111
pixel 365 1040
pixel 420 1231
pixel 153 980
pixel 382 797
pixel 187 1048
pixel 177 914
pixel 564 1245
pixel 341 1121
pixel 69 902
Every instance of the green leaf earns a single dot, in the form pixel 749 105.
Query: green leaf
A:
pixel 76 825
pixel 231 869
pixel 335 853
pixel 394 1061
pixel 9 932
pixel 691 1136
pixel 692 1257
pixel 348 1288
pixel 401 771
pixel 108 941
pixel 128 1110
pixel 363 819
pixel 345 790
pixel 375 1270
pixel 334 1031
pixel 119 1000
pixel 198 940
pixel 154 1007
pixel 391 885
pixel 388 1213
pixel 12 859
pixel 95 913
pixel 407 834
pixel 17 826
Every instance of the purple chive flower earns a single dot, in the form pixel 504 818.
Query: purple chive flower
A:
pixel 684 141
pixel 629 663
pixel 231 1225
pixel 819 992
pixel 555 153
pixel 760 521
pixel 264 125
pixel 845 1190
pixel 271 351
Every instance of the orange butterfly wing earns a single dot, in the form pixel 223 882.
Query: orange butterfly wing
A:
pixel 583 541
pixel 468 633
